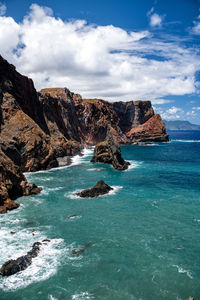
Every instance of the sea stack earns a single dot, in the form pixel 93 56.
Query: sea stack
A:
pixel 108 152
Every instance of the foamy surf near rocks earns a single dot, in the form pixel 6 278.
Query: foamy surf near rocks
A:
pixel 101 188
pixel 14 266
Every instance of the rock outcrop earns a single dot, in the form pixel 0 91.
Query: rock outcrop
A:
pixel 101 188
pixel 153 130
pixel 38 129
pixel 13 184
pixel 14 266
pixel 108 152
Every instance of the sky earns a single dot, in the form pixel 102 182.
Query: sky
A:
pixel 117 50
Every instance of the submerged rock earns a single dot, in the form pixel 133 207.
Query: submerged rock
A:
pixel 101 188
pixel 108 152
pixel 81 250
pixel 72 216
pixel 16 265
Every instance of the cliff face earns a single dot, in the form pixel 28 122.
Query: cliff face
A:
pixel 12 184
pixel 129 122
pixel 37 128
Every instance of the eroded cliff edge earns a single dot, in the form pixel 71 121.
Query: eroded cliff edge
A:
pixel 37 128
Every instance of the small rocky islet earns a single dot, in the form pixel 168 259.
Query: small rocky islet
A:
pixel 101 188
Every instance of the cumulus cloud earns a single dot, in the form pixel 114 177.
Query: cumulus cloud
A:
pixel 172 113
pixel 2 9
pixel 156 20
pixel 97 61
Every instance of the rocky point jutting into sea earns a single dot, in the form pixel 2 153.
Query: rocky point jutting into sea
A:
pixel 36 128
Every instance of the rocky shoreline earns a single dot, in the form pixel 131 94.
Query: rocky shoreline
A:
pixel 38 130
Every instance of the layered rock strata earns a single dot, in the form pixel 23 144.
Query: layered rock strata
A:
pixel 38 128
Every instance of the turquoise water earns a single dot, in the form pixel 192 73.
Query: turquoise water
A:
pixel 143 237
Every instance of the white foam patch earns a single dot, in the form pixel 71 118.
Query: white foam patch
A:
pixel 74 217
pixel 95 169
pixel 185 141
pixel 116 189
pixel 134 164
pixel 76 160
pixel 52 297
pixel 181 270
pixel 43 266
pixel 16 241
pixel 88 151
pixel 74 195
pixel 47 190
pixel 82 296
pixel 148 144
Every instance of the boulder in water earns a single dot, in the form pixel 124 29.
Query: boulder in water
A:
pixel 101 188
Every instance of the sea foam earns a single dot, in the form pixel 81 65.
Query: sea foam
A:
pixel 43 266
pixel 134 164
pixel 181 270
pixel 16 241
pixel 82 296
pixel 185 141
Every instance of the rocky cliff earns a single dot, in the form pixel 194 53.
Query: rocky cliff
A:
pixel 37 128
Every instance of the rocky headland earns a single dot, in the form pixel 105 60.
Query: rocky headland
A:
pixel 38 128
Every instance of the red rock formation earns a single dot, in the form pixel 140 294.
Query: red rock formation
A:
pixel 153 130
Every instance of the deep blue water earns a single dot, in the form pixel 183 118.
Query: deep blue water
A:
pixel 143 238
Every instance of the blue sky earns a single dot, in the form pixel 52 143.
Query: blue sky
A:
pixel 115 50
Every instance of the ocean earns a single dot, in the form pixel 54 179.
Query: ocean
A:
pixel 141 240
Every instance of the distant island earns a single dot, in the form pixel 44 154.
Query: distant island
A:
pixel 180 125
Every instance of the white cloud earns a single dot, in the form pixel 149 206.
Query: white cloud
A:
pixel 196 28
pixel 160 101
pixel 172 113
pixel 150 12
pixel 191 113
pixel 174 110
pixel 196 108
pixel 156 20
pixel 97 61
pixel 2 9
